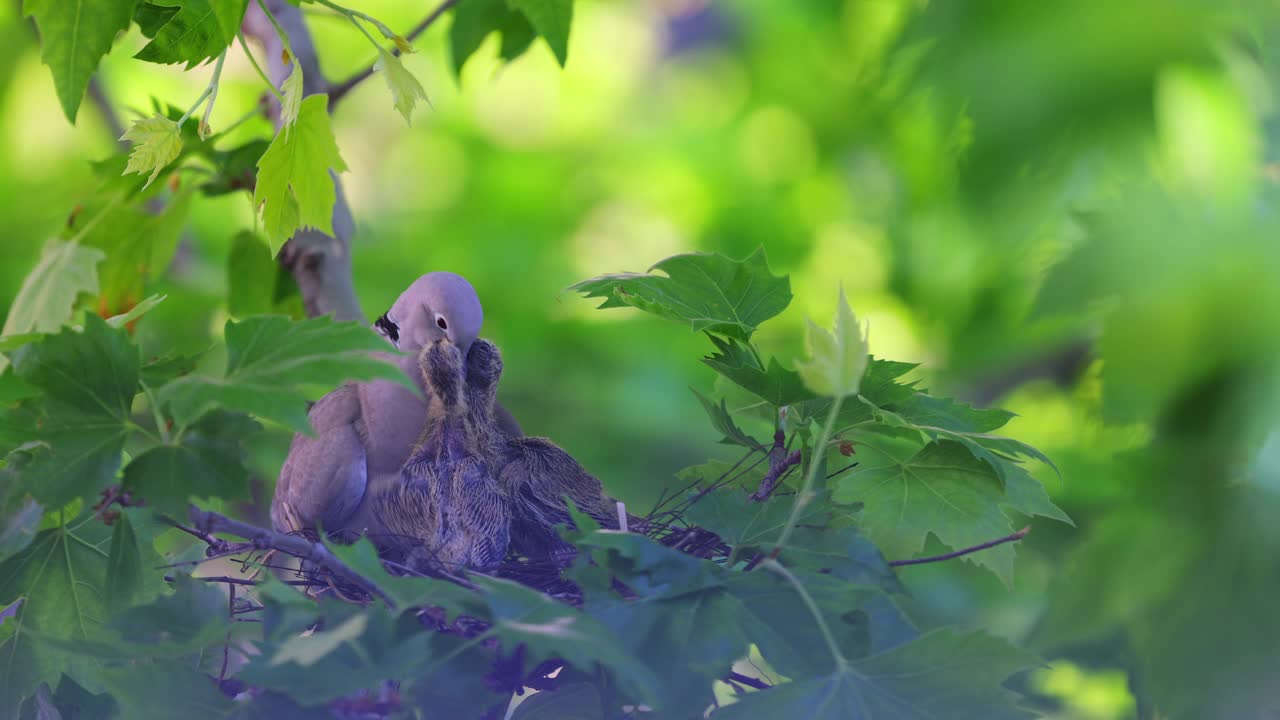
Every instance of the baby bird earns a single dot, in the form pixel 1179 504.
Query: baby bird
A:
pixel 534 474
pixel 447 509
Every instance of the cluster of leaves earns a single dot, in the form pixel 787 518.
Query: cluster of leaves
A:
pixel 803 585
pixel 289 175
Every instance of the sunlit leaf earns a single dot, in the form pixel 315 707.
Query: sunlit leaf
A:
pixel 74 35
pixel 294 186
pixel 405 88
pixel 157 141
pixel 49 292
pixel 837 359
pixel 291 103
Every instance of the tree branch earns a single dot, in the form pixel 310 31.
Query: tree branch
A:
pixel 779 462
pixel 313 552
pixel 320 263
pixel 340 90
pixel 966 551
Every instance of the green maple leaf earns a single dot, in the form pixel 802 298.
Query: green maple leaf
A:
pixel 405 88
pixel 88 379
pixel 61 578
pixel 294 186
pixel 274 365
pixel 75 34
pixel 205 462
pixel 551 18
pixel 48 293
pixel 157 141
pixel 198 31
pixel 474 20
pixel 707 290
pixel 942 675
pixel 774 383
pixel 838 359
pixel 941 490
pixel 291 101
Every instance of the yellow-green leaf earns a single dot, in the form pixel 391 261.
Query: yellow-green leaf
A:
pixel 294 186
pixel 405 88
pixel 291 103
pixel 837 360
pixel 156 142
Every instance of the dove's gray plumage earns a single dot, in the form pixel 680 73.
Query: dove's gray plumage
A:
pixel 366 431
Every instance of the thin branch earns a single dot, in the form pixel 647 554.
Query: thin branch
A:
pixel 340 90
pixel 314 553
pixel 749 681
pixel 779 461
pixel 966 551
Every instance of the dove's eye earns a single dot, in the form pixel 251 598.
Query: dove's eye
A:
pixel 440 322
pixel 387 327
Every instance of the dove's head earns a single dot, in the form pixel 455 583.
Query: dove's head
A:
pixel 437 305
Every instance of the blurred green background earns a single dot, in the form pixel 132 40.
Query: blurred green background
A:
pixel 1066 208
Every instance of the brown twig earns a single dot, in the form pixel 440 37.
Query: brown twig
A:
pixel 339 90
pixel 966 551
pixel 315 553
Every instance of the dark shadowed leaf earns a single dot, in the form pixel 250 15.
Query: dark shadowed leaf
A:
pixel 206 462
pixel 273 365
pixel 579 701
pixel 945 674
pixel 775 384
pixel 474 20
pixel 61 577
pixel 199 31
pixel 722 421
pixel 89 379
pixel 551 18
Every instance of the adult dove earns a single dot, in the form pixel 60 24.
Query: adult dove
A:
pixel 366 431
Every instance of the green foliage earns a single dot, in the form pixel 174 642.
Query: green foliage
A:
pixel 293 186
pixel 1093 231
pixel 474 20
pixel 75 34
pixel 273 363
pixel 551 18
pixel 88 380
pixel 837 359
pixel 710 292
pixel 200 30
pixel 44 304
pixel 942 674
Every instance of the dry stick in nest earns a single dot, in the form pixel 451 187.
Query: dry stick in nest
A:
pixel 316 553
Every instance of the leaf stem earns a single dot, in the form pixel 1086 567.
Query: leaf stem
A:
pixel 261 73
pixel 161 425
pixel 210 92
pixel 353 14
pixel 284 36
pixel 810 476
pixel 777 567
